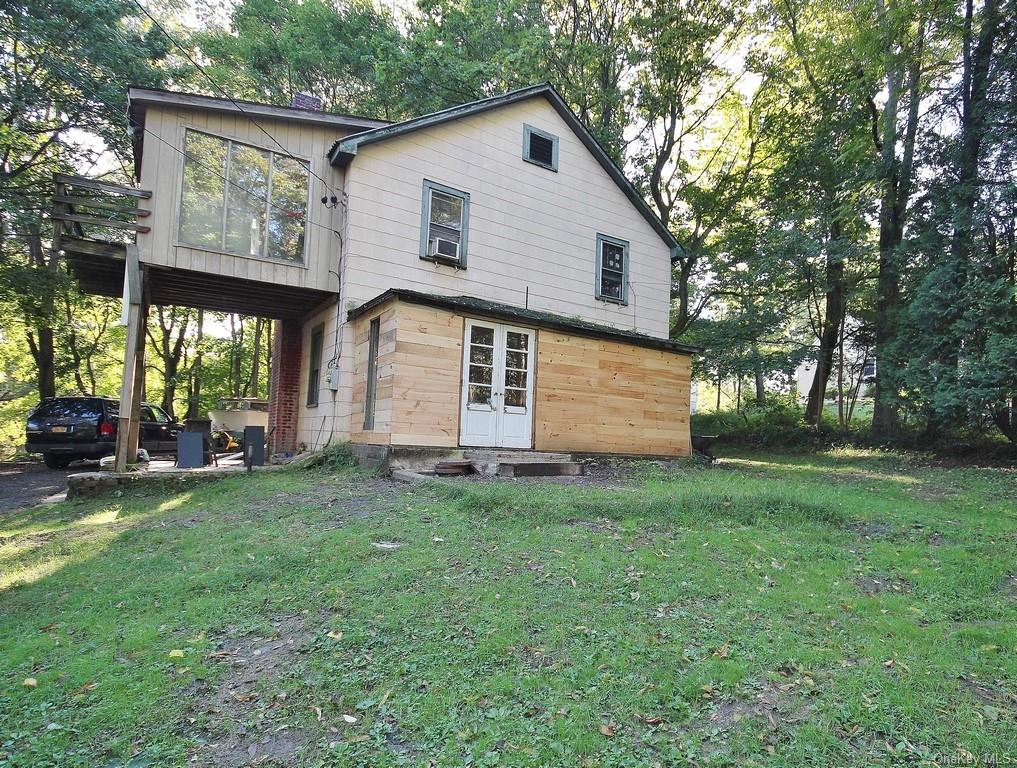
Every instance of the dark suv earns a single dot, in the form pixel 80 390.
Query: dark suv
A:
pixel 63 429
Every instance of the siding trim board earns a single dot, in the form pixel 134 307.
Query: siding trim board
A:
pixel 521 316
pixel 344 150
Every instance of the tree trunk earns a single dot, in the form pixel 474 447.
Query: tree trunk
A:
pixel 40 342
pixel 194 375
pixel 895 192
pixel 760 379
pixel 836 306
pixel 256 357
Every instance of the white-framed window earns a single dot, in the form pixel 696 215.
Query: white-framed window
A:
pixel 241 199
pixel 444 224
pixel 612 269
pixel 540 148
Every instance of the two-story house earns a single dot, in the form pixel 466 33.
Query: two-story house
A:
pixel 481 276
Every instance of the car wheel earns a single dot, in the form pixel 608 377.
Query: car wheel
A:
pixel 56 462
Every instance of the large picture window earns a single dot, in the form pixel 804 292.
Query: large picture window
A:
pixel 241 199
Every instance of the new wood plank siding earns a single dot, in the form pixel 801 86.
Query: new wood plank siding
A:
pixel 162 173
pixel 419 369
pixel 609 397
pixel 532 232
pixel 591 395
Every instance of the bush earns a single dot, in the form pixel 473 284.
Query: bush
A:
pixel 337 457
pixel 778 423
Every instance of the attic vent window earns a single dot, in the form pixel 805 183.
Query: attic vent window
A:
pixel 540 148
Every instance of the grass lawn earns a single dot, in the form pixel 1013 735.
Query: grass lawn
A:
pixel 840 609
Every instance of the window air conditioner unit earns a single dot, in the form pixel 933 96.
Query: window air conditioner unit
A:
pixel 446 249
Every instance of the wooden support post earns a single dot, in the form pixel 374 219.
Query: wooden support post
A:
pixel 134 363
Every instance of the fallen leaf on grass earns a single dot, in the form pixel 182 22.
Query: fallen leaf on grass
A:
pixel 30 682
pixel 176 653
pixel 89 686
pixel 335 634
pixel 653 720
pixel 350 719
pixel 244 697
pixel 608 729
pixel 438 539
pixel 722 652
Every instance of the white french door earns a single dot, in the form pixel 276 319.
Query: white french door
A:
pixel 497 396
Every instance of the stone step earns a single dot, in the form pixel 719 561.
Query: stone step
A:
pixel 489 461
pixel 540 469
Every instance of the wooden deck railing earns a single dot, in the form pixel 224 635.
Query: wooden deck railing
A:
pixel 88 209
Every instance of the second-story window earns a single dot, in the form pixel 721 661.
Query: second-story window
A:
pixel 612 269
pixel 241 199
pixel 444 224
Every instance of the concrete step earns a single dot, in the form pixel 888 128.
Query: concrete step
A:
pixel 509 455
pixel 491 461
pixel 540 469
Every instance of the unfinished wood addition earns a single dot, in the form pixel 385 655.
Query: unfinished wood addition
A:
pixel 383 401
pixel 419 374
pixel 602 396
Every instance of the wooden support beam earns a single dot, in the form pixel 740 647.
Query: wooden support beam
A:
pixel 87 202
pixel 101 186
pixel 128 422
pixel 111 223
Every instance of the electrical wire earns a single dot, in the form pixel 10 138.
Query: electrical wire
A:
pixel 241 187
pixel 225 94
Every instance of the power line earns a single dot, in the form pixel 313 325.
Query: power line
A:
pixel 223 91
pixel 252 193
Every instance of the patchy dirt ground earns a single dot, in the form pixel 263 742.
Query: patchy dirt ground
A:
pixel 26 483
pixel 245 720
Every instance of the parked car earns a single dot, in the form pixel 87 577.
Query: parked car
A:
pixel 63 429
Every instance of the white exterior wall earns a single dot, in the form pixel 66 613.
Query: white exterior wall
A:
pixel 529 227
pixel 329 419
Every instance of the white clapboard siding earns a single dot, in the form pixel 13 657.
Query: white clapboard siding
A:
pixel 529 228
pixel 162 169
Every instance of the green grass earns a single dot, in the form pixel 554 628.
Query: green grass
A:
pixel 847 608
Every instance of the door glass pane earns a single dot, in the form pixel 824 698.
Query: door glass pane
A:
pixel 246 200
pixel 516 397
pixel 482 355
pixel 515 378
pixel 480 374
pixel 515 359
pixel 514 340
pixel 480 395
pixel 201 204
pixel 287 215
pixel 480 334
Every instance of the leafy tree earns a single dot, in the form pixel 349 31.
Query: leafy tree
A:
pixel 63 68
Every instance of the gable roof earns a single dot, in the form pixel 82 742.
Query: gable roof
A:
pixel 345 149
pixel 512 314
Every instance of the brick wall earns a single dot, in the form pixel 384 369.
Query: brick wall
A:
pixel 284 390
